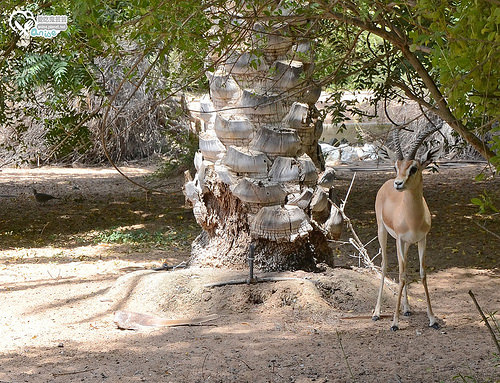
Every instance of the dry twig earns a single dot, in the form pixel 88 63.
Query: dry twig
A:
pixel 355 241
pixel 488 231
pixel 492 333
pixel 72 372
pixel 339 337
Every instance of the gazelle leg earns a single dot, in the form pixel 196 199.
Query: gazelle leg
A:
pixel 382 239
pixel 406 306
pixel 423 276
pixel 402 281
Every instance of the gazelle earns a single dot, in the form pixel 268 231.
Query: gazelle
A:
pixel 402 212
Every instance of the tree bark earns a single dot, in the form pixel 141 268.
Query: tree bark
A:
pixel 259 159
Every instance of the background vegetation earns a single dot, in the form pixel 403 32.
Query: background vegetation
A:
pixel 99 89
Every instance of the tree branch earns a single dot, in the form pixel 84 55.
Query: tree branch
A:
pixel 399 39
pixel 443 110
pixel 412 96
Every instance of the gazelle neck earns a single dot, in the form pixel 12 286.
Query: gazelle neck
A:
pixel 416 192
pixel 413 199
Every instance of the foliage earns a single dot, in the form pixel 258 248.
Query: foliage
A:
pixel 444 55
pixel 495 328
pixel 169 237
pixel 495 146
pixel 39 76
pixel 485 203
pixel 465 40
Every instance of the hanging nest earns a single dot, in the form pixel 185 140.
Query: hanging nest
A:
pixel 277 142
pixel 244 160
pixel 233 130
pixel 280 223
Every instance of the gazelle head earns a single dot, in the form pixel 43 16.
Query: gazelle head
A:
pixel 408 169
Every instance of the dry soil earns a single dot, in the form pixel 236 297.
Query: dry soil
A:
pixel 68 265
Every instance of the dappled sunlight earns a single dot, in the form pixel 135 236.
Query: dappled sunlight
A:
pixel 99 215
pixel 63 174
pixel 192 354
pixel 51 271
pixel 56 254
pixel 456 226
pixel 78 260
pixel 139 255
pixel 280 338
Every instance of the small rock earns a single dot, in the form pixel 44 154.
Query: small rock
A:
pixel 206 296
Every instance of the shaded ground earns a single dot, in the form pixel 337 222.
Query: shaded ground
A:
pixel 65 267
pixel 458 237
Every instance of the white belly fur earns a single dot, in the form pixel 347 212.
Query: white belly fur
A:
pixel 408 237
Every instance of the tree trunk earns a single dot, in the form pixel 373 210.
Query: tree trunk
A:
pixel 259 159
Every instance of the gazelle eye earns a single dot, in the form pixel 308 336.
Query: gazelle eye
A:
pixel 413 170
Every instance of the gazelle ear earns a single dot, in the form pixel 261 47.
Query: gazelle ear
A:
pixel 430 156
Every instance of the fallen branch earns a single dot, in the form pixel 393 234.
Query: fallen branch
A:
pixel 253 281
pixel 246 364
pixel 43 228
pixel 72 372
pixel 486 230
pixel 127 320
pixel 203 366
pixel 166 266
pixel 366 317
pixel 339 337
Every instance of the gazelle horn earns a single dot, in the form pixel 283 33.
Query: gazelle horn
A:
pixel 421 137
pixel 397 143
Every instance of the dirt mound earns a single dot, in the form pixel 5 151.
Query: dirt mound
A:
pixel 185 291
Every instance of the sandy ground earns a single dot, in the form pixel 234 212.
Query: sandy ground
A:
pixel 60 285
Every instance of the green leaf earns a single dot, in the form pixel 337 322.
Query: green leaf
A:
pixel 476 201
pixel 480 177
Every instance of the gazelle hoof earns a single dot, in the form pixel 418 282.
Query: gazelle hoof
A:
pixel 375 318
pixel 435 326
pixel 407 313
pixel 394 328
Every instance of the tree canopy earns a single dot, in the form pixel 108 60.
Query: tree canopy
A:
pixel 444 55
